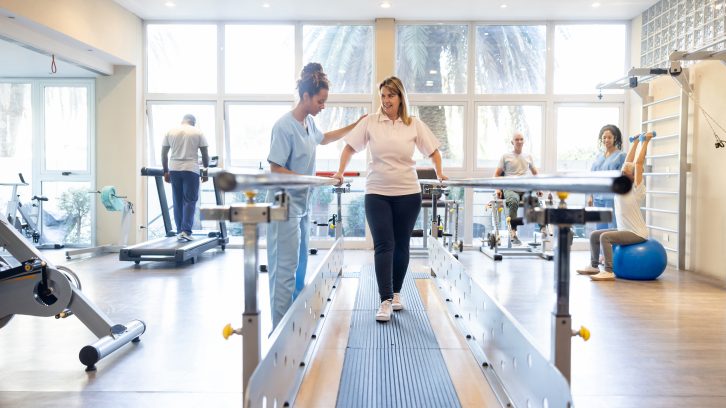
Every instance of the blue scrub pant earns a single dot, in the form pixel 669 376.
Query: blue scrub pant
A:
pixel 605 203
pixel 287 262
pixel 185 193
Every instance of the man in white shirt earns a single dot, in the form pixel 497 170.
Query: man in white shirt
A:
pixel 515 163
pixel 182 171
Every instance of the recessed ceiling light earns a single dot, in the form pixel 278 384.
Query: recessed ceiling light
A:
pixel 266 5
pixel 503 6
pixel 385 4
pixel 595 4
pixel 170 4
pixel 433 72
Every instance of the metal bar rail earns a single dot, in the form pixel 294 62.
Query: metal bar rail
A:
pixel 563 218
pixel 251 215
pixel 600 182
pixel 245 180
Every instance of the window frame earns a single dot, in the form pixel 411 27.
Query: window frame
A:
pixel 469 99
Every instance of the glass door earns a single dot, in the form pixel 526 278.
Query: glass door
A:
pixel 66 170
pixel 16 141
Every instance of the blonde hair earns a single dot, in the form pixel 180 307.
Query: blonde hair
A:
pixel 396 86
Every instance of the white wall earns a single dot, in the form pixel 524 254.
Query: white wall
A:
pixel 706 192
pixel 708 170
pixel 103 25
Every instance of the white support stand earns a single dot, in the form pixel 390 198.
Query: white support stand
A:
pixel 109 248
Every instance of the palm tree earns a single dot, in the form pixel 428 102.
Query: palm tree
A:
pixel 510 59
pixel 345 52
pixel 433 59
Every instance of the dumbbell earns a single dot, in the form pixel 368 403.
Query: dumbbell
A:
pixel 640 137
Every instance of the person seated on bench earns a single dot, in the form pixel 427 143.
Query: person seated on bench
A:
pixel 631 225
pixel 514 163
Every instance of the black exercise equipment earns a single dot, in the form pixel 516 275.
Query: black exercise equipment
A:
pixel 168 248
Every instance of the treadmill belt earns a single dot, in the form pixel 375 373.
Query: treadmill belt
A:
pixel 393 364
pixel 170 243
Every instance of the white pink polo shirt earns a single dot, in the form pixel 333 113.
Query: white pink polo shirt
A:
pixel 392 170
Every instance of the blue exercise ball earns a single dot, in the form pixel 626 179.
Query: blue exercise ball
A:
pixel 644 261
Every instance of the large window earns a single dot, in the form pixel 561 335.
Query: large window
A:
pixel 510 59
pixel 586 55
pixel 182 58
pixel 336 117
pixel 46 134
pixel 474 84
pixel 432 58
pixel 496 124
pixel 578 128
pixel 164 116
pixel 259 59
pixel 67 215
pixel 16 139
pixel 447 124
pixel 66 128
pixel 346 53
pixel 249 131
pixel 261 64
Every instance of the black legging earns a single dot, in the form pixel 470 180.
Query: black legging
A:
pixel 391 220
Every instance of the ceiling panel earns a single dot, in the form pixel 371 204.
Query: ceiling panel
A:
pixel 352 10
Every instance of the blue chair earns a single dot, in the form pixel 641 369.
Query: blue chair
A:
pixel 644 261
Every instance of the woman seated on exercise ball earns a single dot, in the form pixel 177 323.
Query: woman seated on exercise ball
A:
pixel 631 227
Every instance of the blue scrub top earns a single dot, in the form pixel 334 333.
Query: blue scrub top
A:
pixel 613 162
pixel 293 148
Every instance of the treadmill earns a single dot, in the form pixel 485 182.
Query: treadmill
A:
pixel 168 248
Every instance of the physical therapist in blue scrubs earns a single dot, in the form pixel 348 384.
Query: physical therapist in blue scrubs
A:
pixel 292 151
pixel 610 158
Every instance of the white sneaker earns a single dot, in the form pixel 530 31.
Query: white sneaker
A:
pixel 603 276
pixel 384 312
pixel 185 237
pixel 397 304
pixel 588 270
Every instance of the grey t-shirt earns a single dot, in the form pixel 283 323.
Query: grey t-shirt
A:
pixel 184 143
pixel 514 164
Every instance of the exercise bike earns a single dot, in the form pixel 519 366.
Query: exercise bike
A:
pixel 31 285
pixel 20 216
pixel 492 244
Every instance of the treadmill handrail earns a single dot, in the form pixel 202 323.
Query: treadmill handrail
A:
pixel 159 172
